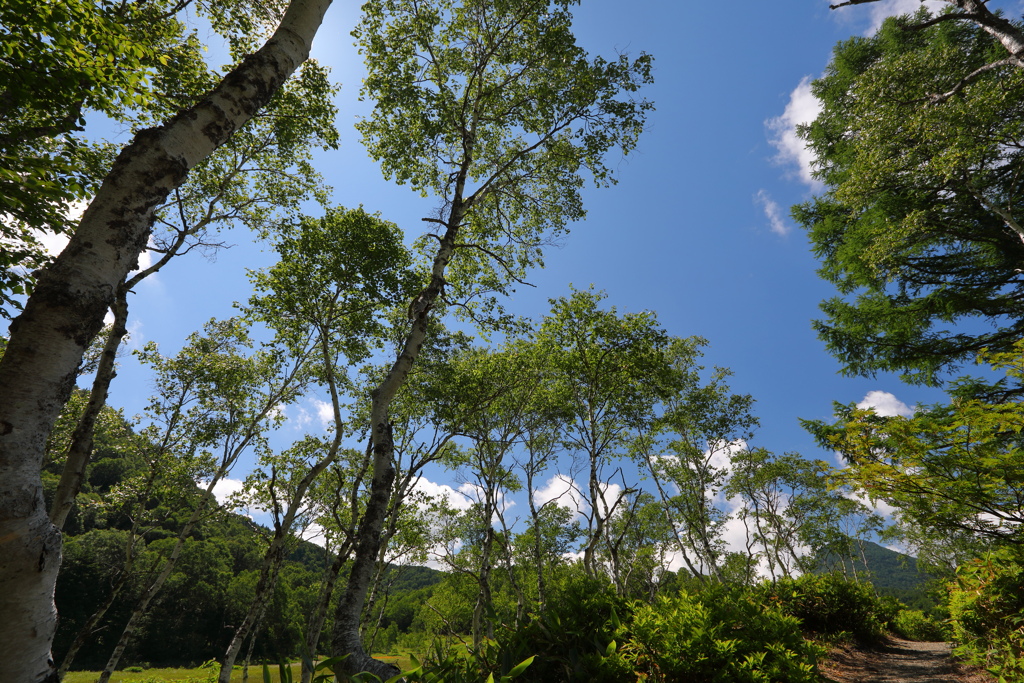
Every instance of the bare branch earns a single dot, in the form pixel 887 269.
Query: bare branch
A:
pixel 939 98
pixel 851 2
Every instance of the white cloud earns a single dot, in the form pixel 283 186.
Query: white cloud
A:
pixel 301 417
pixel 876 505
pixel 562 489
pixel 803 107
pixel 609 495
pixel 225 488
pixel 314 533
pixel 880 11
pixel 885 404
pixel 455 499
pixel 773 212
pixel 721 453
pixel 145 260
pixel 324 411
pixel 135 335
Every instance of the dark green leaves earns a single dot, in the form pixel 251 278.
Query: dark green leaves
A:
pixel 920 228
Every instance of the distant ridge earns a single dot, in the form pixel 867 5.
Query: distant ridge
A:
pixel 891 572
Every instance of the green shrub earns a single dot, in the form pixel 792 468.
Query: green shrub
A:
pixel 830 605
pixel 133 669
pixel 576 638
pixel 986 609
pixel 720 634
pixel 913 624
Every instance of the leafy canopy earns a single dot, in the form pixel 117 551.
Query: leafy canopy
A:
pixel 490 106
pixel 951 470
pixel 920 226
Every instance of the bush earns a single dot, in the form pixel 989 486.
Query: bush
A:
pixel 986 609
pixel 575 639
pixel 831 606
pixel 722 634
pixel 913 624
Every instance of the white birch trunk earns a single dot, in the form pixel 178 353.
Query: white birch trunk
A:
pixel 346 637
pixel 66 311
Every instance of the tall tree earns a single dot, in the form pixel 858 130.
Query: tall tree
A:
pixel 493 109
pixel 257 178
pixel 214 404
pixel 326 300
pixel 610 371
pixel 66 309
pixel 919 143
pixel 687 450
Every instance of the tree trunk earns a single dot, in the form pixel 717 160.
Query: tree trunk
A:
pixel 158 583
pixel 80 449
pixel 319 614
pixel 48 340
pixel 275 557
pixel 90 625
pixel 346 639
pixel 264 588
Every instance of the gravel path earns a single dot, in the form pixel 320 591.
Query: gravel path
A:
pixel 899 661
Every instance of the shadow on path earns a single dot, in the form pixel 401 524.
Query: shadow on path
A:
pixel 899 661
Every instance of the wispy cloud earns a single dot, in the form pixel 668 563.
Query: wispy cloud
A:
pixel 885 404
pixel 803 107
pixel 324 412
pixel 773 212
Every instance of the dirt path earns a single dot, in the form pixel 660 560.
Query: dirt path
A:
pixel 899 661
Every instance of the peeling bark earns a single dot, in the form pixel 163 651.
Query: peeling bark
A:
pixel 48 340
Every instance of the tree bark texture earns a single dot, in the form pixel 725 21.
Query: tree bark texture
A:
pixel 82 438
pixel 66 311
pixel 345 637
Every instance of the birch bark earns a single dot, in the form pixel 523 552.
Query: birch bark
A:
pixel 66 311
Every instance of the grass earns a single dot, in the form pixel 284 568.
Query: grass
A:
pixel 402 661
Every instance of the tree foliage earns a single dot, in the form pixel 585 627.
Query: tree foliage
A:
pixel 952 471
pixel 920 225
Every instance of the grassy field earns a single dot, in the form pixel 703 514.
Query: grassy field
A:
pixel 203 675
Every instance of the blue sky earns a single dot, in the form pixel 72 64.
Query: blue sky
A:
pixel 697 228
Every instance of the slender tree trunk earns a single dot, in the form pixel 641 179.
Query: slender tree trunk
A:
pixel 483 598
pixel 274 557
pixel 346 636
pixel 264 589
pixel 66 309
pixel 538 554
pixel 319 613
pixel 126 575
pixel 158 583
pixel 90 625
pixel 80 449
pixel 252 643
